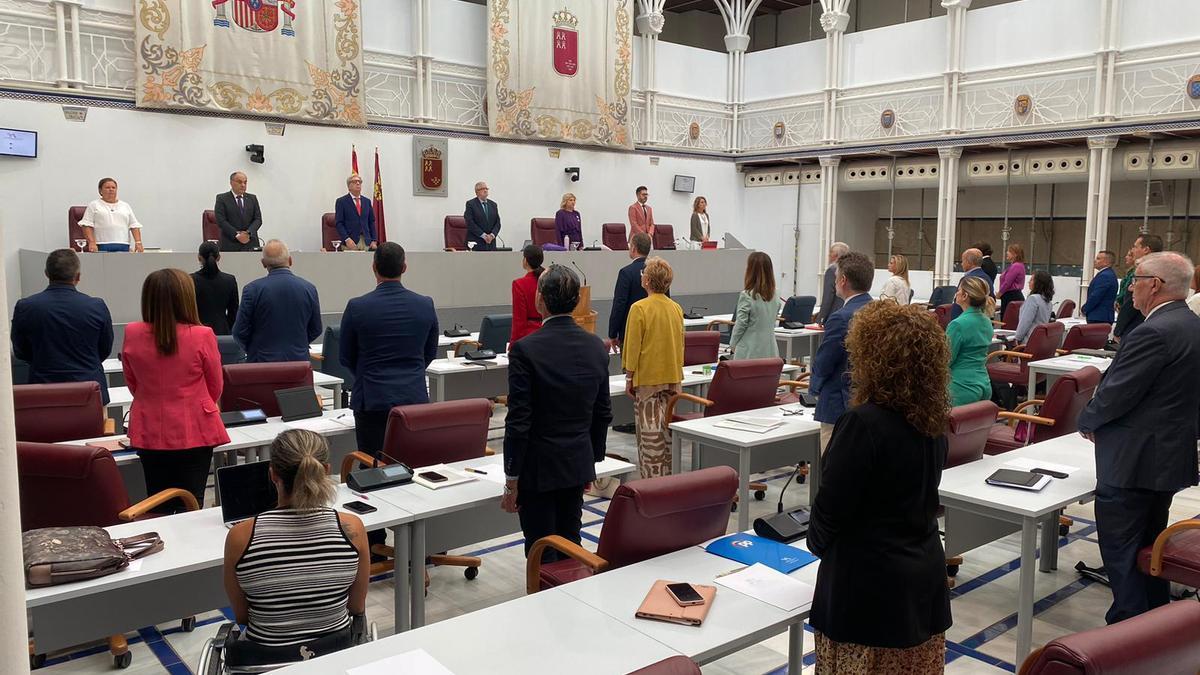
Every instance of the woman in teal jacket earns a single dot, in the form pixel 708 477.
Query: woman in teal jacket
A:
pixel 757 312
pixel 970 336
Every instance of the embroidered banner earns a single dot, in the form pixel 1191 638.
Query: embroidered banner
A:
pixel 561 70
pixel 299 59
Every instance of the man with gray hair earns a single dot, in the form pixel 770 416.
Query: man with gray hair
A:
pixel 483 219
pixel 972 261
pixel 830 301
pixel 280 314
pixel 238 216
pixel 1144 420
pixel 354 218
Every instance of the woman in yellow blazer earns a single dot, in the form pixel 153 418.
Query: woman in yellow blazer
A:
pixel 652 355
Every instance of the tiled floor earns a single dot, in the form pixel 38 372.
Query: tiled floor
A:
pixel 982 639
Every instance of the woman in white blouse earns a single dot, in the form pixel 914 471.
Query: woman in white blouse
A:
pixel 108 222
pixel 701 230
pixel 897 287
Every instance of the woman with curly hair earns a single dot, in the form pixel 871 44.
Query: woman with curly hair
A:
pixel 876 514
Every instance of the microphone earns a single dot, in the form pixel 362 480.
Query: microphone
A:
pixel 595 242
pixel 687 243
pixel 581 273
pixel 691 313
pixel 693 309
pixel 256 404
pixel 502 244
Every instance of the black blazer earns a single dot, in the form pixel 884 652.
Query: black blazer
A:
pixel 627 291
pixel 558 407
pixel 1146 412
pixel 478 224
pixel 830 302
pixel 989 268
pixel 64 335
pixel 882 581
pixel 1128 316
pixel 217 300
pixel 232 220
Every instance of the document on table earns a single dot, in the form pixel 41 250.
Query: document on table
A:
pixel 770 586
pixel 1029 464
pixel 321 425
pixel 416 662
pixel 493 473
pixel 757 425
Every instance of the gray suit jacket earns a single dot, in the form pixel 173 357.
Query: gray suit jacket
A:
pixel 830 302
pixel 1146 412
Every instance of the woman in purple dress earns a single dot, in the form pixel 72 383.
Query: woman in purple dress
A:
pixel 568 223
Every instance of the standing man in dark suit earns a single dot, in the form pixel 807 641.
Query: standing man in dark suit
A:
pixel 830 380
pixel 629 286
pixel 1102 291
pixel 1144 420
pixel 280 314
pixel 389 336
pixel 483 219
pixel 830 302
pixel 1128 316
pixel 238 216
pixel 354 218
pixel 61 333
pixel 986 263
pixel 558 415
pixel 972 261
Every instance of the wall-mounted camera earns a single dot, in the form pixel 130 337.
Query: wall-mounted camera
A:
pixel 257 153
pixel 573 171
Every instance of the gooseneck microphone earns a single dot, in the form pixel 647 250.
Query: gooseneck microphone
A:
pixel 581 272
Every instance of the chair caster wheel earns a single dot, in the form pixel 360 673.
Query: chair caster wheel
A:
pixel 188 625
pixel 122 661
pixel 36 661
pixel 733 508
pixel 1064 530
pixel 470 573
pixel 951 570
pixel 760 495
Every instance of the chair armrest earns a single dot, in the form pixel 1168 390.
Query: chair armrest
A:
pixel 316 357
pixel 712 325
pixel 996 323
pixel 146 505
pixel 1014 417
pixel 533 562
pixel 1003 353
pixel 488 452
pixel 703 402
pixel 1031 402
pixel 110 426
pixel 1160 542
pixel 795 384
pixel 458 346
pixel 355 456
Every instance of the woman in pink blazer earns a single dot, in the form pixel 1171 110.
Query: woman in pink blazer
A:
pixel 173 370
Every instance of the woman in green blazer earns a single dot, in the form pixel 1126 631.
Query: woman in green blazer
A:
pixel 970 336
pixel 757 312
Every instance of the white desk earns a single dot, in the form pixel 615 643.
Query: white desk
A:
pixel 788 337
pixel 1055 367
pixel 702 323
pixel 452 379
pixel 978 513
pixel 317 350
pixel 734 622
pixel 753 452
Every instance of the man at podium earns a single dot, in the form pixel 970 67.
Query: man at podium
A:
pixel 354 218
pixel 238 216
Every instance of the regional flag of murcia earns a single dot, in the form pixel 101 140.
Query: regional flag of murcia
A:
pixel 566 43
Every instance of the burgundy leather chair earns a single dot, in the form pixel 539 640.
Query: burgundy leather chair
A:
pixel 942 314
pixel 208 226
pixel 613 236
pixel 664 237
pixel 454 232
pixel 966 437
pixel 1058 414
pixel 74 231
pixel 646 518
pixel 1042 343
pixel 329 232
pixel 1012 315
pixel 736 386
pixel 542 231
pixel 700 346
pixel 1086 336
pixel 1175 554
pixel 253 385
pixel 66 411
pixel 423 435
pixel 675 665
pixel 1161 641
pixel 1066 309
pixel 76 485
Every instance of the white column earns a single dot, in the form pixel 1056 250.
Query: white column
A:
pixel 650 22
pixel 956 28
pixel 422 62
pixel 829 197
pixel 947 216
pixel 1106 60
pixel 738 14
pixel 60 30
pixel 1095 237
pixel 833 21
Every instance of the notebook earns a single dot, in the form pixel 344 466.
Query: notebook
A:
pixel 246 490
pixel 749 549
pixel 660 606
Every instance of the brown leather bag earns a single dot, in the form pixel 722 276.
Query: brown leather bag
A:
pixel 60 555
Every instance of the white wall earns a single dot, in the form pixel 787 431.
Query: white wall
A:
pixel 458 31
pixel 1150 22
pixel 689 71
pixel 388 26
pixel 901 52
pixel 785 71
pixel 768 223
pixel 1031 31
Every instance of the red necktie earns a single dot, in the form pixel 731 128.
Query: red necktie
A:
pixel 358 204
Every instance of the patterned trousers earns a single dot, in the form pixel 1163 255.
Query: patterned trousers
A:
pixel 846 658
pixel 653 437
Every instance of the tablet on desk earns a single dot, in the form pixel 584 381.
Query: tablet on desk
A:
pixel 1022 480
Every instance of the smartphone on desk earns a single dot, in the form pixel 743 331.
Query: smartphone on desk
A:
pixel 433 477
pixel 684 595
pixel 359 507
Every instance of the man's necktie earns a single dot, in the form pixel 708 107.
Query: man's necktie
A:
pixel 241 206
pixel 484 205
pixel 358 204
pixel 645 215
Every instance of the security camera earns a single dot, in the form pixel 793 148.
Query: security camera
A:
pixel 257 153
pixel 574 172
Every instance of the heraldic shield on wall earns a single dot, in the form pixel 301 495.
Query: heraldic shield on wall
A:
pixel 561 70
pixel 431 159
pixel 296 59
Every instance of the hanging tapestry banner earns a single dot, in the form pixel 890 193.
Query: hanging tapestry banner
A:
pixel 298 59
pixel 561 70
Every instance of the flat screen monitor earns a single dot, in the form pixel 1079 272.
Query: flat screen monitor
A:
pixel 18 143
pixel 685 183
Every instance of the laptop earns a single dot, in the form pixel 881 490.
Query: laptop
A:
pixel 245 490
pixel 297 403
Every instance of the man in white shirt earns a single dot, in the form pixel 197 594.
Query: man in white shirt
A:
pixel 108 222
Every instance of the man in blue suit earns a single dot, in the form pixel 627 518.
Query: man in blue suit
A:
pixel 63 334
pixel 1102 292
pixel 830 381
pixel 483 219
pixel 1144 420
pixel 972 261
pixel 389 336
pixel 629 286
pixel 354 218
pixel 280 314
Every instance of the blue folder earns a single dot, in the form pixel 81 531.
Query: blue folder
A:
pixel 749 549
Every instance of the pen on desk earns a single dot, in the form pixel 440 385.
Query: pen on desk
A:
pixel 481 473
pixel 360 496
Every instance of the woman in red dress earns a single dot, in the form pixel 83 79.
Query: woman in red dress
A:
pixel 525 317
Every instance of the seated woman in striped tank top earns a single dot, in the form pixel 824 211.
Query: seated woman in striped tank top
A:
pixel 298 572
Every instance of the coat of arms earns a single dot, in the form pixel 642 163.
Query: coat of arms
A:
pixel 566 43
pixel 887 119
pixel 257 16
pixel 1193 87
pixel 431 168
pixel 1022 105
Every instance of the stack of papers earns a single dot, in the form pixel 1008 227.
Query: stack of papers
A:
pixel 453 476
pixel 324 425
pixel 767 585
pixel 1029 464
pixel 756 425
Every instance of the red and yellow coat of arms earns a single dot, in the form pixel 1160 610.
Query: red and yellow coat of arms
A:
pixel 431 168
pixel 566 43
pixel 257 16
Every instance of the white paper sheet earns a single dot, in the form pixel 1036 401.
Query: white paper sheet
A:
pixel 754 425
pixel 1029 464
pixel 416 662
pixel 320 425
pixel 770 586
pixel 493 473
